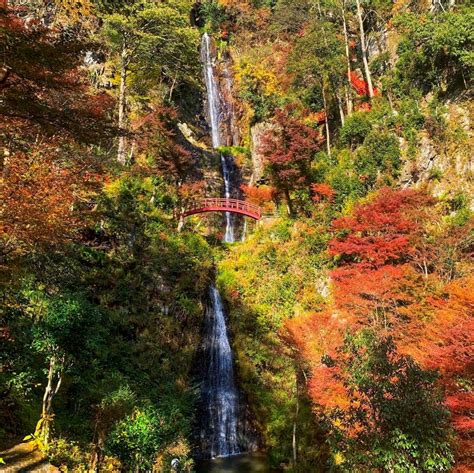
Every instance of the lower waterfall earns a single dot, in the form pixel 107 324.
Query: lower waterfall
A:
pixel 219 392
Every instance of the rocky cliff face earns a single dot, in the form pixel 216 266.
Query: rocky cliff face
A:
pixel 257 132
pixel 445 162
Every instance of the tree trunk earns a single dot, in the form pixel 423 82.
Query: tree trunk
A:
pixel 295 423
pixel 289 203
pixel 54 383
pixel 349 103
pixel 341 109
pixel 363 45
pixel 121 153
pixel 326 123
pixel 98 454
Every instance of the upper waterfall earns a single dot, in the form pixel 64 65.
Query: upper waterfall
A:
pixel 214 113
pixel 212 88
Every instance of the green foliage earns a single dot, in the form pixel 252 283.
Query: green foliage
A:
pixel 154 41
pixel 317 64
pixel 214 15
pixel 396 410
pixel 69 326
pixel 137 439
pixel 378 159
pixel 461 212
pixel 345 179
pixel 357 126
pixel 435 51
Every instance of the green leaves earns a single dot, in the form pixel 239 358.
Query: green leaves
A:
pixel 435 50
pixel 378 158
pixel 356 128
pixel 137 438
pixel 396 416
pixel 157 42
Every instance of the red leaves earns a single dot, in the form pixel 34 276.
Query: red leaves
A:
pixel 289 148
pixel 322 192
pixel 374 247
pixel 258 195
pixel 360 86
pixel 379 233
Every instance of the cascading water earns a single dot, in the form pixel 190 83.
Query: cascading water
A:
pixel 213 101
pixel 219 390
pixel 214 109
pixel 219 393
pixel 229 236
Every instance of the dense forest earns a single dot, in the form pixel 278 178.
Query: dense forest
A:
pixel 347 302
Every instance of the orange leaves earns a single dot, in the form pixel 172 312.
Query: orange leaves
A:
pixel 322 192
pixel 360 86
pixel 258 195
pixel 314 336
pixel 372 294
pixel 326 390
pixel 38 199
pixel 451 331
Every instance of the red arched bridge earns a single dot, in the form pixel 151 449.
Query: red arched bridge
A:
pixel 223 205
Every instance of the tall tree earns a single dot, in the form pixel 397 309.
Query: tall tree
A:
pixel 319 65
pixel 289 147
pixel 154 46
pixel 363 45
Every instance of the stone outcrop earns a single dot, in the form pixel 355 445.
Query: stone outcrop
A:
pixel 445 167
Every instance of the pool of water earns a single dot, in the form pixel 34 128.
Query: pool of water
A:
pixel 246 463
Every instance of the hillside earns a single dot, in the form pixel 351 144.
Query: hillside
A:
pixel 332 334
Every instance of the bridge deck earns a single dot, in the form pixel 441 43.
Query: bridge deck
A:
pixel 223 205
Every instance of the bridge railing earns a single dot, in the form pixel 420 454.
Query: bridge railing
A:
pixel 223 204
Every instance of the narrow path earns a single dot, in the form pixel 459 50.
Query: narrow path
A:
pixel 25 457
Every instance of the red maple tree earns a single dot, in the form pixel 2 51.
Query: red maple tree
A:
pixel 288 148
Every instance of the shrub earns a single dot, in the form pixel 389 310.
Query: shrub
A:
pixel 356 128
pixel 67 455
pixel 379 157
pixel 137 439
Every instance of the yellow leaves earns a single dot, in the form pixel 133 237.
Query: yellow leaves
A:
pixel 338 458
pixel 257 77
pixel 113 188
pixel 75 10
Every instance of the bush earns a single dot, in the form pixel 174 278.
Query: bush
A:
pixel 137 439
pixel 378 158
pixel 67 455
pixel 356 128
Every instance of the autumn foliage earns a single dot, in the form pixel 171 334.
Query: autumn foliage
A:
pixel 322 192
pixel 289 149
pixel 380 284
pixel 261 195
pixel 49 120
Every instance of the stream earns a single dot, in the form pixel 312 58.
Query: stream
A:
pixel 246 463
